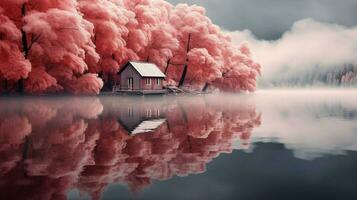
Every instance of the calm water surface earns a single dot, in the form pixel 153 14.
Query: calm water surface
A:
pixel 271 145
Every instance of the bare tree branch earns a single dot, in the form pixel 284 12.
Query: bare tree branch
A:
pixel 34 39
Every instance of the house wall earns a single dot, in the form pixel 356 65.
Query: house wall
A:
pixel 139 82
pixel 127 73
pixel 153 85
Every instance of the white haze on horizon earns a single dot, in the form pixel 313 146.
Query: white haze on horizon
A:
pixel 311 123
pixel 309 46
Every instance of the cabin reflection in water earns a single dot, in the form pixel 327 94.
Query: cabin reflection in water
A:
pixel 51 146
pixel 141 117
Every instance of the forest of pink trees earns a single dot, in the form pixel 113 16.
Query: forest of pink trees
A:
pixel 48 147
pixel 78 46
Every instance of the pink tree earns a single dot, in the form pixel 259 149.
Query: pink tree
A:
pixel 13 65
pixel 56 40
pixel 110 19
pixel 52 46
pixel 240 72
pixel 208 55
pixel 129 30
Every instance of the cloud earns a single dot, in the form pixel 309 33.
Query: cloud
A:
pixel 269 19
pixel 309 46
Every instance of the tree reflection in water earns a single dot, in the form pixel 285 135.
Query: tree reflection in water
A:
pixel 50 146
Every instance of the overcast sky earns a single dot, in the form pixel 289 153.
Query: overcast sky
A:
pixel 268 19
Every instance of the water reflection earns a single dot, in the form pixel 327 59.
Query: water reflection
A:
pixel 50 146
pixel 312 124
pixel 141 117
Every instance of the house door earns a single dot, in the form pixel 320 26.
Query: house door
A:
pixel 130 83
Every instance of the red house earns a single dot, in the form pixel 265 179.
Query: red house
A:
pixel 140 76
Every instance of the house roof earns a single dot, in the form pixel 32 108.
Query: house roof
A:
pixel 145 69
pixel 148 126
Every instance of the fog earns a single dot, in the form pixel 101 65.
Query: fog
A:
pixel 308 52
pixel 298 43
pixel 313 124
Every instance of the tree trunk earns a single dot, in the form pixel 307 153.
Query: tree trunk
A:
pixel 24 36
pixel 167 66
pixel 185 119
pixel 183 77
pixel 184 72
pixel 205 87
pixel 25 49
pixel 21 86
pixel 109 82
pixel 5 85
pixel 25 152
pixel 25 149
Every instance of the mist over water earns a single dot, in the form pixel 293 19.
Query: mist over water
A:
pixel 310 53
pixel 312 123
pixel 177 147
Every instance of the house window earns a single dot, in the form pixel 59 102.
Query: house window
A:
pixel 158 81
pixel 130 83
pixel 148 81
pixel 130 111
pixel 148 113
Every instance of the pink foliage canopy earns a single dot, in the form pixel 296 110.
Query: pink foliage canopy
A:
pixel 13 65
pixel 64 45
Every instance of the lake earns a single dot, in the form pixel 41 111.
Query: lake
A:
pixel 274 144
